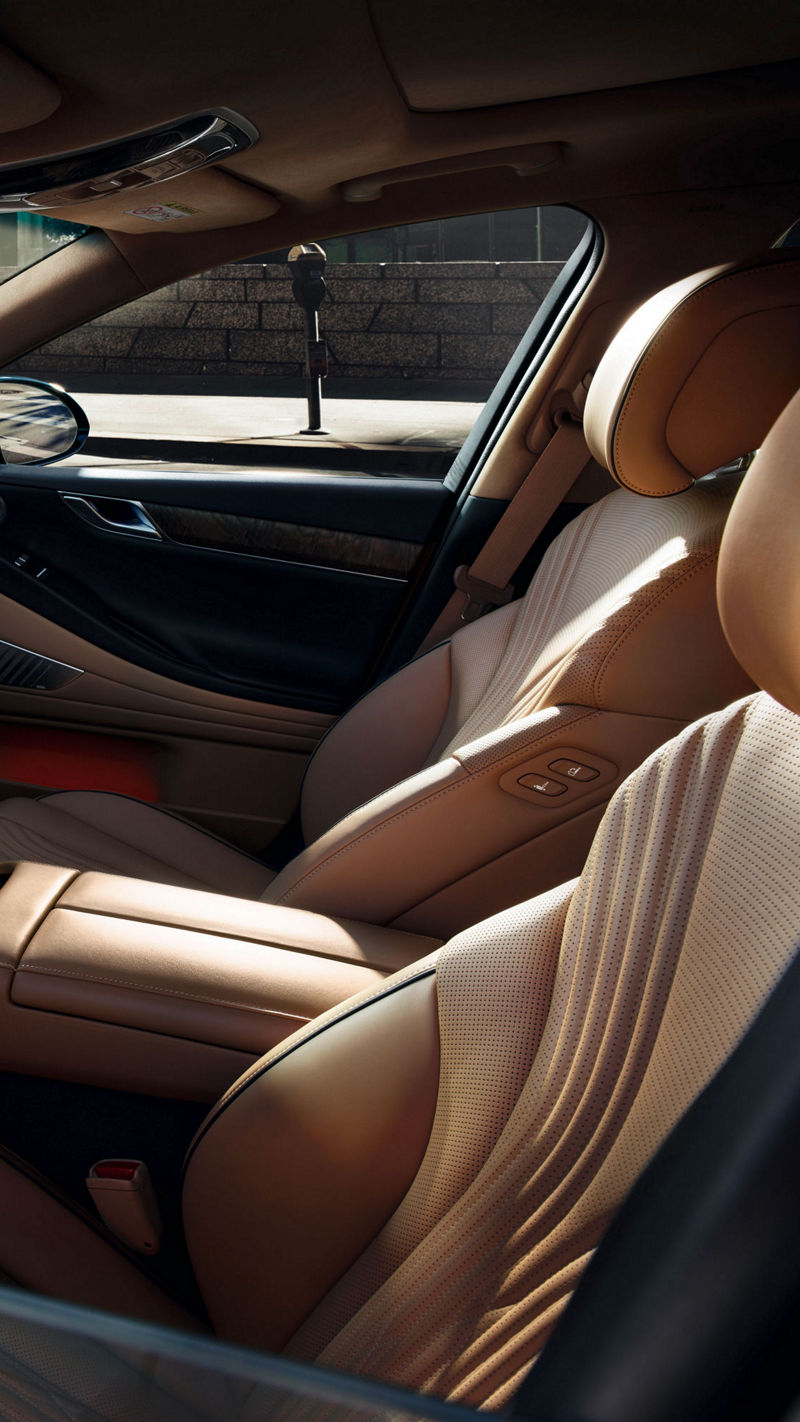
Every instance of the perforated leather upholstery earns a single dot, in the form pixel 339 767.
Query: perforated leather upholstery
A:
pixel 495 1136
pixel 550 1106
pixel 574 1031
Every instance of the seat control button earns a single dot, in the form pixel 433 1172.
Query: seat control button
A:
pixel 574 769
pixel 542 786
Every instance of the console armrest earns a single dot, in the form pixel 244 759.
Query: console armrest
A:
pixel 169 991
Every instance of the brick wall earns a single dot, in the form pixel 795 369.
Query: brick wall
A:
pixel 459 320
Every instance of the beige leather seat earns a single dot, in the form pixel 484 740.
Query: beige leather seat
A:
pixel 421 807
pixel 411 1186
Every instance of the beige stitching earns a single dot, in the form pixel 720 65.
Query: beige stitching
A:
pixel 511 757
pixel 704 560
pixel 161 991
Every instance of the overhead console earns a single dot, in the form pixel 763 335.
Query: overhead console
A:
pixel 168 992
pixel 154 156
pixel 102 184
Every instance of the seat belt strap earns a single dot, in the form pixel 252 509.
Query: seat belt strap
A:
pixel 487 583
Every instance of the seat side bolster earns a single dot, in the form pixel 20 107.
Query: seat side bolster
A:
pixel 385 737
pixel 303 1165
pixel 477 650
pixel 661 654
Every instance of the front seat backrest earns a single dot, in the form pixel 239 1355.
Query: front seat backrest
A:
pixel 411 1186
pixel 615 646
pixel 533 1065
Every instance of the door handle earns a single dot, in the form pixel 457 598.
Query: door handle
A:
pixel 113 515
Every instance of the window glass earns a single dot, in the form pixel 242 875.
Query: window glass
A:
pixel 524 234
pixel 416 324
pixel 25 238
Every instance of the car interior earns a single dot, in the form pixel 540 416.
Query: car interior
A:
pixel 398 911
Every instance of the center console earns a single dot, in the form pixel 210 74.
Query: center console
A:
pixel 143 987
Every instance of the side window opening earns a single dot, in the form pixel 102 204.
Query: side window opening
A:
pixel 418 322
pixel 28 237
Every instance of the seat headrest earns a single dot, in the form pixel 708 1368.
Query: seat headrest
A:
pixel 758 581
pixel 698 374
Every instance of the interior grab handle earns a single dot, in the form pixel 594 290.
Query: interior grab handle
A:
pixel 113 515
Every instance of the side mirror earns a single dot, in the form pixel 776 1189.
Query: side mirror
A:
pixel 39 423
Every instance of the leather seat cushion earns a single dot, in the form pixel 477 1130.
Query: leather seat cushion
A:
pixel 91 830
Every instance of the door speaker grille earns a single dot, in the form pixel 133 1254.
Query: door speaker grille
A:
pixel 23 668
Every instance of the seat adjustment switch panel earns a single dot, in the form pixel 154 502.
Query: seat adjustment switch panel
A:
pixel 559 777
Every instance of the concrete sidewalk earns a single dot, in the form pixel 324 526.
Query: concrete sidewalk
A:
pixel 276 422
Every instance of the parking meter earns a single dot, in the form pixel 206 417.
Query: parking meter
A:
pixel 307 265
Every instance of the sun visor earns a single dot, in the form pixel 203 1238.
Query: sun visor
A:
pixel 26 95
pixel 194 203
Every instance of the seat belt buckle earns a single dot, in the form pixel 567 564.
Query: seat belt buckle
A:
pixel 481 596
pixel 126 1202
